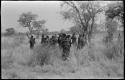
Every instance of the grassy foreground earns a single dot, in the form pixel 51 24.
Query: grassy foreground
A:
pixel 93 61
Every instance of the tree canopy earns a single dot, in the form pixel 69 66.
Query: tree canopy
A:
pixel 115 10
pixel 75 29
pixel 26 19
pixel 29 20
pixel 83 14
pixel 10 31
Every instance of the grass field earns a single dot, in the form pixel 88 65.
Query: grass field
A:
pixel 19 62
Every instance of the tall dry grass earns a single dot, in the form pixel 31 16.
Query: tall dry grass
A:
pixel 92 60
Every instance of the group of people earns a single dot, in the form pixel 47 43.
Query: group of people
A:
pixel 64 41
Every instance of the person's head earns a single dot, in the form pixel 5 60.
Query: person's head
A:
pixel 52 36
pixel 42 35
pixel 68 36
pixel 63 34
pixel 31 36
pixel 47 36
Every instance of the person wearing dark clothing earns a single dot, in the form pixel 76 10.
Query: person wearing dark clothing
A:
pixel 56 39
pixel 43 39
pixel 68 38
pixel 78 46
pixel 32 42
pixel 73 38
pixel 60 38
pixel 53 40
pixel 47 39
pixel 66 44
pixel 80 42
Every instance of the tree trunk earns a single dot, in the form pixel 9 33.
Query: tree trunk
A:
pixel 30 32
pixel 90 31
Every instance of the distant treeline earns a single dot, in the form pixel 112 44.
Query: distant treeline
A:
pixel 48 33
pixel 15 34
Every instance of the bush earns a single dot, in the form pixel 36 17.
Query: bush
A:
pixel 107 40
pixel 45 54
pixel 79 57
pixel 115 46
pixel 7 59
pixel 109 53
pixel 10 42
pixel 115 50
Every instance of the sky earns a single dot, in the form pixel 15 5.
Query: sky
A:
pixel 47 10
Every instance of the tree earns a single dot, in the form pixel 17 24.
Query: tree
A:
pixel 82 14
pixel 62 31
pixel 45 31
pixel 75 29
pixel 38 25
pixel 29 20
pixel 115 10
pixel 26 19
pixel 111 29
pixel 10 31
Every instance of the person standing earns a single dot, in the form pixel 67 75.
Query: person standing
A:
pixel 66 44
pixel 73 38
pixel 32 42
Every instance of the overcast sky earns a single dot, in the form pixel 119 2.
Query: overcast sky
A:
pixel 48 10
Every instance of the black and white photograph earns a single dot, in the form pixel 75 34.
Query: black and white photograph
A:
pixel 62 39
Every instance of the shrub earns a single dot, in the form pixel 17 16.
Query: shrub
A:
pixel 10 42
pixel 44 54
pixel 7 59
pixel 79 57
pixel 115 50
pixel 108 53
